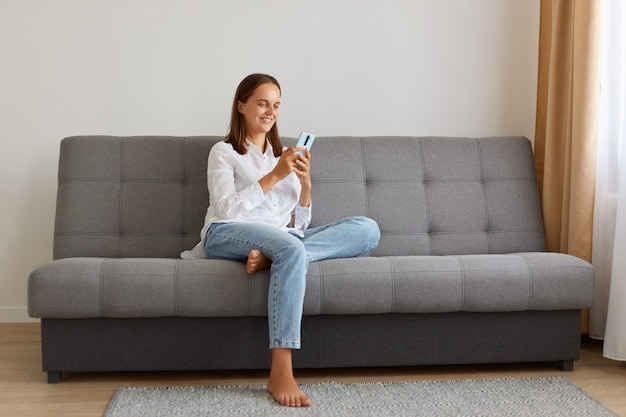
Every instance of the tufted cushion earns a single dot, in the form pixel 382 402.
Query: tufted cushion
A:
pixel 432 196
pixel 147 196
pixel 117 288
pixel 130 197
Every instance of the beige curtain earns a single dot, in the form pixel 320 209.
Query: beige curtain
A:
pixel 567 123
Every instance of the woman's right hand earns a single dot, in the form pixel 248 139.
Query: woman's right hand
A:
pixel 285 166
pixel 287 162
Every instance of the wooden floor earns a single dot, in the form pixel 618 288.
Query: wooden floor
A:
pixel 25 392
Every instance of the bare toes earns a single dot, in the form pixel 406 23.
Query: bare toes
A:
pixel 287 393
pixel 256 262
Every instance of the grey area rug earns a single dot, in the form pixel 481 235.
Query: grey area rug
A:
pixel 495 397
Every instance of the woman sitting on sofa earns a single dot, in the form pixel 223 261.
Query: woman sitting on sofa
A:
pixel 259 211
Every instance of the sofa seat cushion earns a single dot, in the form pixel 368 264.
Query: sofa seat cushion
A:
pixel 441 284
pixel 75 288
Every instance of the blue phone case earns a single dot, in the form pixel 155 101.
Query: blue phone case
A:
pixel 306 140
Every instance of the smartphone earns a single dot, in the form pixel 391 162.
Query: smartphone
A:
pixel 305 140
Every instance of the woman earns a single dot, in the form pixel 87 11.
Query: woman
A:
pixel 259 211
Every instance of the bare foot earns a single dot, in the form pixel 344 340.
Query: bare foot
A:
pixel 256 262
pixel 286 391
pixel 282 385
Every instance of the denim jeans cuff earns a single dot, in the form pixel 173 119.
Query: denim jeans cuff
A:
pixel 285 344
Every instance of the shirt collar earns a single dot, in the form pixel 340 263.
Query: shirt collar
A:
pixel 268 147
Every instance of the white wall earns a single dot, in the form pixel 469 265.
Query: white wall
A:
pixel 360 67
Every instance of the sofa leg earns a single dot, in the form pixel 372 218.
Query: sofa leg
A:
pixel 54 377
pixel 566 365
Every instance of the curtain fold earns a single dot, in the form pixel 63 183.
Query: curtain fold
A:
pixel 567 123
pixel 615 337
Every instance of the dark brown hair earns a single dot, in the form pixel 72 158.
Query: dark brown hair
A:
pixel 237 135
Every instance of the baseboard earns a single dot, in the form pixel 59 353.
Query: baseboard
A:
pixel 15 315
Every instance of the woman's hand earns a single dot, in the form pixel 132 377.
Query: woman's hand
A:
pixel 303 168
pixel 290 161
pixel 303 171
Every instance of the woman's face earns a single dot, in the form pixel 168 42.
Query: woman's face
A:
pixel 261 110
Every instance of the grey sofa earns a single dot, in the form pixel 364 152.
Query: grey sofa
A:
pixel 460 275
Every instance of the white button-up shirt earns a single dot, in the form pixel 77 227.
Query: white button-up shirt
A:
pixel 235 194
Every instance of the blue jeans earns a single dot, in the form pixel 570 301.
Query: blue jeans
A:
pixel 290 256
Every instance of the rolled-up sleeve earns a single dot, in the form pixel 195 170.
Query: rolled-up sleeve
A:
pixel 302 217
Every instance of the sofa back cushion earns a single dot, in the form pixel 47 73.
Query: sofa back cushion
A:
pixel 147 196
pixel 124 197
pixel 432 195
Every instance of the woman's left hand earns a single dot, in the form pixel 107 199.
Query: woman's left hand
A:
pixel 303 171
pixel 303 168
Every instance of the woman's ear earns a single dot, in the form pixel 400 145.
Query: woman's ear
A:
pixel 239 106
